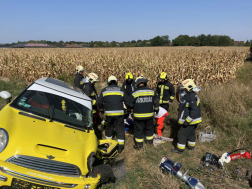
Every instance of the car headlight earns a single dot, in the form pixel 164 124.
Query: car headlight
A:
pixel 4 138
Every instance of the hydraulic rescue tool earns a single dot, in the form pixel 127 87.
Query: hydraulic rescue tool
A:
pixel 226 157
pixel 172 167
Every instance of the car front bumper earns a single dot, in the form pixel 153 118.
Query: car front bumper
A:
pixel 9 171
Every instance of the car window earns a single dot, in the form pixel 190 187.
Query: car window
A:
pixel 54 107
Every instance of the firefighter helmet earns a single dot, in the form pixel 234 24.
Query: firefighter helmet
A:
pixel 92 77
pixel 188 84
pixel 129 76
pixel 112 78
pixel 79 69
pixel 140 80
pixel 163 75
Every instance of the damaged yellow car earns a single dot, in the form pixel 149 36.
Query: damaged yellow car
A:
pixel 47 140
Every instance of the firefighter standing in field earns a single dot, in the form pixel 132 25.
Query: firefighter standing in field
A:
pixel 128 87
pixel 90 91
pixel 78 77
pixel 165 91
pixel 112 97
pixel 129 84
pixel 179 95
pixel 145 103
pixel 190 116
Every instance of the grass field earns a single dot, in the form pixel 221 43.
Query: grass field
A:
pixel 227 108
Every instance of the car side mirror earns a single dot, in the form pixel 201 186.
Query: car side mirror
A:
pixel 6 95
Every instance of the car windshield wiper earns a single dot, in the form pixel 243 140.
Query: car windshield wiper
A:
pixel 79 113
pixel 50 110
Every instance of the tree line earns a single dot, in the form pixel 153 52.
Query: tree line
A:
pixel 181 40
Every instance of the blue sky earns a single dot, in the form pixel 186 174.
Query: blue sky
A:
pixel 122 20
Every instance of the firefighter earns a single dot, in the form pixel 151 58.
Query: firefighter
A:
pixel 112 98
pixel 179 95
pixel 90 91
pixel 145 103
pixel 165 91
pixel 78 77
pixel 190 116
pixel 128 87
pixel 129 84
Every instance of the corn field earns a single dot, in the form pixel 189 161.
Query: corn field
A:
pixel 203 64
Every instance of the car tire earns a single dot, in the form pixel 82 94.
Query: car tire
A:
pixel 106 173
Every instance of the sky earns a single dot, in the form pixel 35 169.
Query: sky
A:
pixel 122 20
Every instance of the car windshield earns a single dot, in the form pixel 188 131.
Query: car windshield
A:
pixel 54 107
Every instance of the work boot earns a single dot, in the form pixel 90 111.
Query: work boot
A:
pixel 137 147
pixel 191 149
pixel 176 150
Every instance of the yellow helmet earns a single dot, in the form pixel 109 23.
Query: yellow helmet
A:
pixel 79 69
pixel 112 78
pixel 188 84
pixel 129 76
pixel 163 75
pixel 92 77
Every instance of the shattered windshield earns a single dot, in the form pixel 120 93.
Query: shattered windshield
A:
pixel 54 107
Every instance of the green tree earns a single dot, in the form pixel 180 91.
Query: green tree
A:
pixel 91 44
pixel 166 40
pixel 113 43
pixel 100 44
pixel 247 43
pixel 157 41
pixel 181 40
pixel 133 42
pixel 202 39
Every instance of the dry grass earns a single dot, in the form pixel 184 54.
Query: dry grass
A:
pixel 204 64
pixel 227 109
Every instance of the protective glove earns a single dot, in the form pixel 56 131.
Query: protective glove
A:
pixel 170 103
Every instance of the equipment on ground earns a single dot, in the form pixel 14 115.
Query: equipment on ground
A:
pixel 160 140
pixel 173 167
pixel 207 135
pixel 226 157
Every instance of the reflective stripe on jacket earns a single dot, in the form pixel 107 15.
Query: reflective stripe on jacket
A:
pixel 90 91
pixel 165 92
pixel 112 98
pixel 78 81
pixel 144 101
pixel 190 105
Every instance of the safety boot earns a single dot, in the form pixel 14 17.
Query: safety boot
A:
pixel 176 150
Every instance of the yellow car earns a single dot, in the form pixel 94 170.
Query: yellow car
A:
pixel 47 140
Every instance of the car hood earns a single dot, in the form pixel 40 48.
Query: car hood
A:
pixel 33 137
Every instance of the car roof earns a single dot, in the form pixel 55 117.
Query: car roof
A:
pixel 61 86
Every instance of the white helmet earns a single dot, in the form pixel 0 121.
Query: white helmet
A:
pixel 92 77
pixel 112 78
pixel 79 69
pixel 140 80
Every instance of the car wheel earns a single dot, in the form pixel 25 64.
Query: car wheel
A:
pixel 106 172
